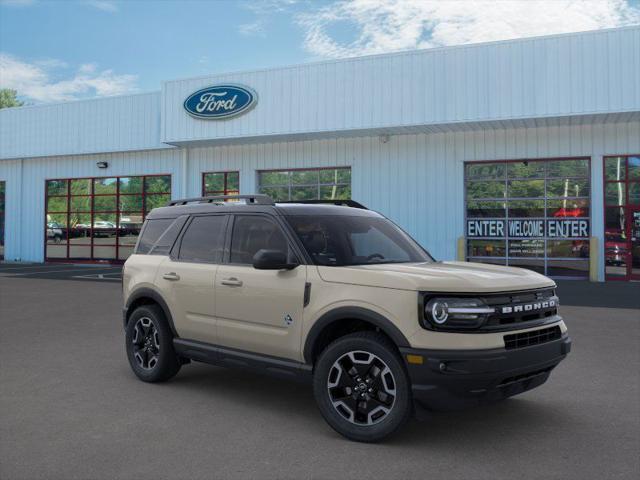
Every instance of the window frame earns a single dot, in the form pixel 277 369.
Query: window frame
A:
pixel 91 212
pixel 213 193
pixel 319 185
pixel 627 208
pixel 505 259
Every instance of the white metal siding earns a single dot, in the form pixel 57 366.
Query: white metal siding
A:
pixel 547 77
pixel 90 126
pixel 25 206
pixel 416 180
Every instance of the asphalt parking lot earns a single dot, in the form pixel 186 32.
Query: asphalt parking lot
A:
pixel 71 408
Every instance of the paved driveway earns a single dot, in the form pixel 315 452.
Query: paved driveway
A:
pixel 71 408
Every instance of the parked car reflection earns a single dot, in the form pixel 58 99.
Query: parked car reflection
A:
pixel 55 233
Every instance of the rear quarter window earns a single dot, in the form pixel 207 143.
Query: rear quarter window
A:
pixel 151 232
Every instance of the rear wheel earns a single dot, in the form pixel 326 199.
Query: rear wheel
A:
pixel 362 388
pixel 149 344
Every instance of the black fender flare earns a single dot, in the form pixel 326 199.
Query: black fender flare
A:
pixel 351 313
pixel 157 298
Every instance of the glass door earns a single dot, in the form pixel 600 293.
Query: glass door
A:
pixel 2 188
pixel 634 238
pixel 622 217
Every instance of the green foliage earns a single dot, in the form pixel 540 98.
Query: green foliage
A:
pixel 8 98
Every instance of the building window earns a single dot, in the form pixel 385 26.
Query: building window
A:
pixel 220 183
pixel 312 184
pixel 532 213
pixel 622 217
pixel 100 218
pixel 2 210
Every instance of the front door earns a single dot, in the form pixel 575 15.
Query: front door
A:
pixel 259 310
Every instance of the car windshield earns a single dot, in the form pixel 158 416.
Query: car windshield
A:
pixel 340 240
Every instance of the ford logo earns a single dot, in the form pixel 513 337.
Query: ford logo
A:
pixel 220 101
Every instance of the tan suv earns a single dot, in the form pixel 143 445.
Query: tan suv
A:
pixel 340 296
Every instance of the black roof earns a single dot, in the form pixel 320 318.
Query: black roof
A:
pixel 259 203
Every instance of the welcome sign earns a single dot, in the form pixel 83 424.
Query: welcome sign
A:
pixel 219 102
pixel 528 228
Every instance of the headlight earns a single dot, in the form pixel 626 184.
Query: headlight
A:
pixel 456 312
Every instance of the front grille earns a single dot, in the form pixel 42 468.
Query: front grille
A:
pixel 535 337
pixel 512 319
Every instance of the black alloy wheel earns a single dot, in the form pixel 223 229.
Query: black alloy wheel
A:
pixel 362 388
pixel 149 345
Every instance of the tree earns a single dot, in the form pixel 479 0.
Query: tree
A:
pixel 8 98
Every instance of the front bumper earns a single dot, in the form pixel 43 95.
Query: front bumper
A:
pixel 453 379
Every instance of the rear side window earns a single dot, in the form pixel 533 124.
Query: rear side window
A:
pixel 253 233
pixel 204 239
pixel 167 239
pixel 151 233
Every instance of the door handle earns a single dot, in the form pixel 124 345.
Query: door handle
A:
pixel 231 282
pixel 173 276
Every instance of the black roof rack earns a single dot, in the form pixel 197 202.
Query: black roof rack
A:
pixel 343 203
pixel 249 199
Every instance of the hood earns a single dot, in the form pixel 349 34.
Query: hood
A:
pixel 462 277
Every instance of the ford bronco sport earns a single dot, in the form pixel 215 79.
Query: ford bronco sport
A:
pixel 338 295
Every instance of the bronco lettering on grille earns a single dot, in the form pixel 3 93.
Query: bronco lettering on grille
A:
pixel 529 307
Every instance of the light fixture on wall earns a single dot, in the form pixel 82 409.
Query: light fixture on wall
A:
pixel 102 164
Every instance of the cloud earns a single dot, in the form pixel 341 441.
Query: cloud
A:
pixel 389 25
pixel 252 29
pixel 17 3
pixel 269 6
pixel 36 81
pixel 104 5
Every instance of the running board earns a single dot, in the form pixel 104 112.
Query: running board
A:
pixel 232 358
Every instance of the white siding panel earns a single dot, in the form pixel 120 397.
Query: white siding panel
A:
pixel 557 76
pixel 416 179
pixel 90 126
pixel 11 174
pixel 25 199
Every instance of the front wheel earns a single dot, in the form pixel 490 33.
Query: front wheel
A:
pixel 362 388
pixel 149 345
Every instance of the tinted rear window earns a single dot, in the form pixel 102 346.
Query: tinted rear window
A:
pixel 151 233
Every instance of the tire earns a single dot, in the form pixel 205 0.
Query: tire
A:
pixel 149 345
pixel 371 402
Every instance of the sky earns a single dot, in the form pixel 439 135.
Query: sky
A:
pixel 59 50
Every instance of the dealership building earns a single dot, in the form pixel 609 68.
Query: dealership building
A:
pixel 522 152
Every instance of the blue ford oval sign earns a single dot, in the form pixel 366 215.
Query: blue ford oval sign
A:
pixel 220 101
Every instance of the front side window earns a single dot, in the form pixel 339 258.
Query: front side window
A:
pixel 313 184
pixel 334 240
pixel 204 239
pixel 252 233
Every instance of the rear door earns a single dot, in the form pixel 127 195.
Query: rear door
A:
pixel 187 277
pixel 259 310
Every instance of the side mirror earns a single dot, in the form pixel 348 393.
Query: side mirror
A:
pixel 272 260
